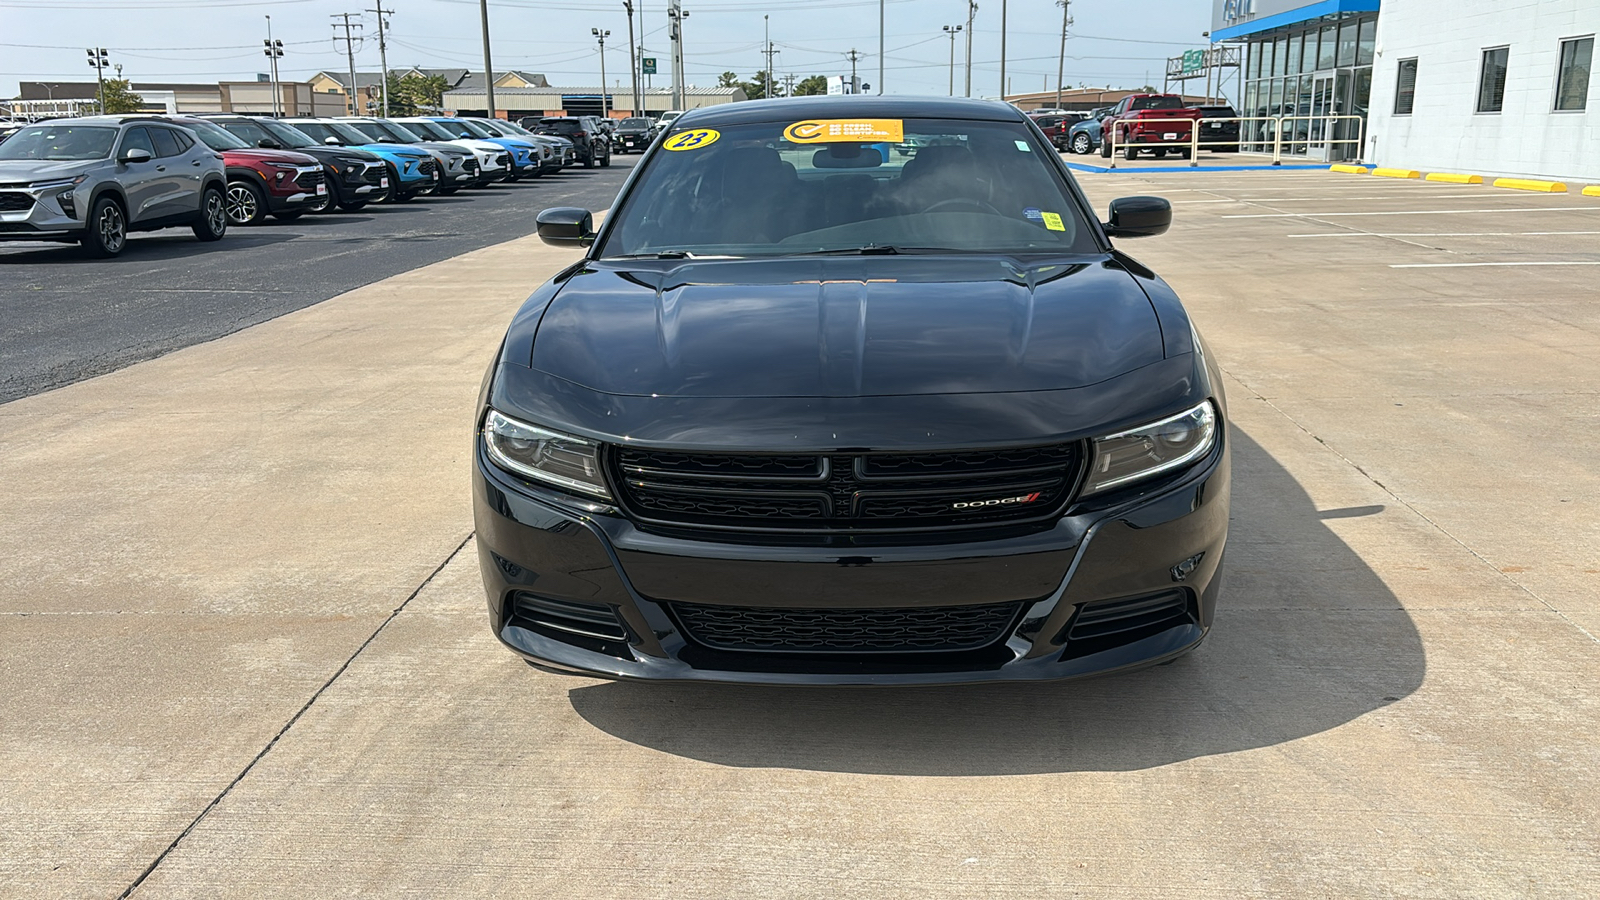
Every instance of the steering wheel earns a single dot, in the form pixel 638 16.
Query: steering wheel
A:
pixel 977 205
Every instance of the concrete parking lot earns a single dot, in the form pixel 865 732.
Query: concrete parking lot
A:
pixel 246 649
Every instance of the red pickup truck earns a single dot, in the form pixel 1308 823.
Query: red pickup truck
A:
pixel 1148 119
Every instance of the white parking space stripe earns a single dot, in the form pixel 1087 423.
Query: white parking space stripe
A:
pixel 1411 212
pixel 1337 197
pixel 1474 265
pixel 1342 234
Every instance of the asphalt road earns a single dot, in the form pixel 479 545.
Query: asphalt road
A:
pixel 64 318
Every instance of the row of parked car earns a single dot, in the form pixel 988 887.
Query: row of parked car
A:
pixel 93 180
pixel 1142 119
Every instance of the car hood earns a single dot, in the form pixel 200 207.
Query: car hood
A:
pixel 845 327
pixel 395 150
pixel 292 157
pixel 25 170
pixel 442 147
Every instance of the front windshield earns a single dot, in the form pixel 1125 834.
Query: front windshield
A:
pixel 633 124
pixel 512 128
pixel 339 131
pixel 470 128
pixel 394 132
pixel 491 127
pixel 370 129
pixel 929 184
pixel 60 142
pixel 288 135
pixel 249 131
pixel 433 130
pixel 214 137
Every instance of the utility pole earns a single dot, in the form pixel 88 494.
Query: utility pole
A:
pixel 633 63
pixel 675 17
pixel 770 52
pixel 488 66
pixel 601 35
pixel 952 30
pixel 383 53
pixel 855 86
pixel 880 47
pixel 350 52
pixel 972 12
pixel 273 51
pixel 1003 51
pixel 788 85
pixel 1061 64
pixel 100 61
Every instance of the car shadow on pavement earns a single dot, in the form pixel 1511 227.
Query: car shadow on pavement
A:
pixel 155 246
pixel 1307 637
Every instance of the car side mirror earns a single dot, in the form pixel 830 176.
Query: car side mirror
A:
pixel 134 155
pixel 566 226
pixel 269 144
pixel 1139 217
pixel 466 135
pixel 331 141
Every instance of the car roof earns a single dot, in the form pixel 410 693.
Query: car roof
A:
pixel 794 109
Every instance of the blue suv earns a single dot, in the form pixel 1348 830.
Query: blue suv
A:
pixel 412 170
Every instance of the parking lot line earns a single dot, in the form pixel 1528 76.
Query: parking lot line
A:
pixel 1409 212
pixel 1474 265
pixel 1322 234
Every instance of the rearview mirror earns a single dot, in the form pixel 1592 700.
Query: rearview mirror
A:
pixel 1139 217
pixel 566 226
pixel 134 155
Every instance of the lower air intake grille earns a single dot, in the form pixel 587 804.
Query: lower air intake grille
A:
pixel 1097 620
pixel 937 629
pixel 582 619
pixel 15 202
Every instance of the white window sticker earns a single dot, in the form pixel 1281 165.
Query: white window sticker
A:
pixel 1023 146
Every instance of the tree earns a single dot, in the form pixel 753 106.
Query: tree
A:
pixel 120 98
pixel 728 79
pixel 811 87
pixel 412 94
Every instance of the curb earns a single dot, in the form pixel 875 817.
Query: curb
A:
pixel 1102 170
pixel 1453 178
pixel 1529 184
pixel 1397 173
pixel 1348 170
pixel 1592 190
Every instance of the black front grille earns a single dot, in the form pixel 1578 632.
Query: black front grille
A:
pixel 309 180
pixel 933 629
pixel 503 159
pixel 14 202
pixel 427 166
pixel 470 166
pixel 838 492
pixel 568 617
pixel 1107 624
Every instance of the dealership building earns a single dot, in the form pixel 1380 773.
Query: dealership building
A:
pixel 1494 88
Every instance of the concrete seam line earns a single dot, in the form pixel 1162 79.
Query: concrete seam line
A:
pixel 1504 576
pixel 343 667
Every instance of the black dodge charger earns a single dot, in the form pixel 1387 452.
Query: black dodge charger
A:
pixel 852 391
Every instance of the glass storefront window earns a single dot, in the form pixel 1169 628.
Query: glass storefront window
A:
pixel 1249 129
pixel 1326 50
pixel 1364 47
pixel 1280 56
pixel 1347 44
pixel 1294 54
pixel 1275 100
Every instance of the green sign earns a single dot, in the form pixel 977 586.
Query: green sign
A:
pixel 1193 61
pixel 648 65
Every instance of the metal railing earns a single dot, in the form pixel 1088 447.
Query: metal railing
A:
pixel 1321 137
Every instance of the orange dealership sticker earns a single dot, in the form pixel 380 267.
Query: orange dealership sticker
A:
pixel 833 131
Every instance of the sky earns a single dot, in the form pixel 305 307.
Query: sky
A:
pixel 1117 43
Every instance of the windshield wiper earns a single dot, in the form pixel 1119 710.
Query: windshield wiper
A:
pixel 876 250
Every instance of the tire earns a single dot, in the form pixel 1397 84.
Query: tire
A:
pixel 1130 152
pixel 212 222
pixel 323 204
pixel 107 233
pixel 1184 154
pixel 352 205
pixel 588 161
pixel 288 215
pixel 246 204
pixel 1081 144
pixel 1160 152
pixel 393 196
pixel 447 191
pixel 605 161
pixel 1105 149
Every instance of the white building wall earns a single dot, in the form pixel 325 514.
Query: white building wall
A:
pixel 1444 133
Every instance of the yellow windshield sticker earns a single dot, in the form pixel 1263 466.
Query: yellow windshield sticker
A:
pixel 833 131
pixel 692 140
pixel 1052 221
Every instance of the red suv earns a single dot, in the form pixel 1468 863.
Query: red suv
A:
pixel 280 183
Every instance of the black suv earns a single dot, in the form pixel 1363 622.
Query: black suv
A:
pixel 589 140
pixel 1219 137
pixel 633 135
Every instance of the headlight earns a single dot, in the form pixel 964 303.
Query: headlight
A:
pixel 570 463
pixel 1150 449
pixel 57 183
pixel 281 165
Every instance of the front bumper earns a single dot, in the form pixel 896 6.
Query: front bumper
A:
pixel 28 214
pixel 532 544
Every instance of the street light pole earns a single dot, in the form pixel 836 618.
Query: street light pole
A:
pixel 601 36
pixel 273 51
pixel 488 66
pixel 1002 51
pixel 880 47
pixel 675 17
pixel 633 62
pixel 383 54
pixel 99 60
pixel 1061 64
pixel 952 30
pixel 972 12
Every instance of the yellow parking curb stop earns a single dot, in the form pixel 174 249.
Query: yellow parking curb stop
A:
pixel 1397 173
pixel 1453 178
pixel 1349 170
pixel 1530 184
pixel 1592 190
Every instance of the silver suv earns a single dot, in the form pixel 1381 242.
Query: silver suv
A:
pixel 94 179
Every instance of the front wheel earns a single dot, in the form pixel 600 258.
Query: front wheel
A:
pixel 605 161
pixel 588 161
pixel 1184 154
pixel 1080 145
pixel 213 221
pixel 352 205
pixel 1105 149
pixel 246 205
pixel 108 229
